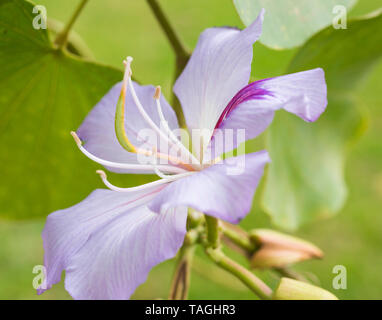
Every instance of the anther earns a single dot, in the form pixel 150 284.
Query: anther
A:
pixel 76 138
pixel 127 63
pixel 157 93
pixel 102 174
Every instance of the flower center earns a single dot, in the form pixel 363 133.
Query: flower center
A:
pixel 164 132
pixel 186 163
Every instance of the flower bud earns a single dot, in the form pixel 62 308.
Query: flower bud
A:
pixel 289 289
pixel 268 257
pixel 278 250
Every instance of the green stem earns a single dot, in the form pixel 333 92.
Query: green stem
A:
pixel 212 231
pixel 62 37
pixel 194 219
pixel 168 29
pixel 288 273
pixel 181 280
pixel 247 277
pixel 241 239
pixel 177 107
pixel 75 44
pixel 182 54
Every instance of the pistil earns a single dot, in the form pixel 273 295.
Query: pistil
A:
pixel 120 121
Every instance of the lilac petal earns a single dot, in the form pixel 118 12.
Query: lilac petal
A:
pixel 69 232
pixel 224 190
pixel 66 231
pixel 219 66
pixel 118 258
pixel 98 133
pixel 252 108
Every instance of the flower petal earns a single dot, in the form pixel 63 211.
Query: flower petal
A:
pixel 224 190
pixel 252 108
pixel 219 66
pixel 118 258
pixel 67 231
pixel 98 133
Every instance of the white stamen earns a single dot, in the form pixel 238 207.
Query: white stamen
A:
pixel 167 129
pixel 160 174
pixel 155 167
pixel 140 107
pixel 132 189
pixel 141 167
pixel 128 72
pixel 76 139
pixel 171 177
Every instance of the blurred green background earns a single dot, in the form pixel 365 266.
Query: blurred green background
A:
pixel 116 28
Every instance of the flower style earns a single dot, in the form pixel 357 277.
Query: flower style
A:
pixel 108 243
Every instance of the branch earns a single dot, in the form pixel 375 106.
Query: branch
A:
pixel 288 273
pixel 181 53
pixel 212 245
pixel 213 237
pixel 240 238
pixel 168 29
pixel 247 277
pixel 62 37
pixel 181 280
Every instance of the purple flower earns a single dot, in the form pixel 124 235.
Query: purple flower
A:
pixel 108 243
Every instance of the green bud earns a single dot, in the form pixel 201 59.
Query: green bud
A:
pixel 289 289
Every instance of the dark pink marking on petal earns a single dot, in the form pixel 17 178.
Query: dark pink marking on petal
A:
pixel 249 92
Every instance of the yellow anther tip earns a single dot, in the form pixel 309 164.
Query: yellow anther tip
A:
pixel 76 138
pixel 102 174
pixel 157 92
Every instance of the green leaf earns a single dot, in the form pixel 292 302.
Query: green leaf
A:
pixel 44 93
pixel 289 23
pixel 306 177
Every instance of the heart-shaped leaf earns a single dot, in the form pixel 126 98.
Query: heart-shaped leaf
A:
pixel 306 177
pixel 44 93
pixel 289 23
